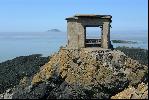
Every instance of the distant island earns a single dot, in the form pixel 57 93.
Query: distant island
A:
pixel 54 30
pixel 123 41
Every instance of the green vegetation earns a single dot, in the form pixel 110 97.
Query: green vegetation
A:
pixel 123 41
pixel 135 53
pixel 12 71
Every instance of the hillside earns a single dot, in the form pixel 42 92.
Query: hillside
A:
pixel 138 54
pixel 83 74
pixel 12 71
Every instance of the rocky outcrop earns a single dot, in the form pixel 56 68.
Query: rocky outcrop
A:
pixel 102 73
pixel 141 55
pixel 12 71
pixel 141 92
pixel 88 73
pixel 89 65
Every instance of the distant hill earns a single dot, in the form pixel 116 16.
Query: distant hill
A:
pixel 124 41
pixel 54 30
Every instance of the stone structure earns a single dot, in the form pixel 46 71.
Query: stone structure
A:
pixel 76 30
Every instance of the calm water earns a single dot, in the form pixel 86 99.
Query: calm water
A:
pixel 21 44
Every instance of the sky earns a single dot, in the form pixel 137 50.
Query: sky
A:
pixel 42 15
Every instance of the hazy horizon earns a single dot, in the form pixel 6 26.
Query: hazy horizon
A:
pixel 24 23
pixel 111 30
pixel 46 43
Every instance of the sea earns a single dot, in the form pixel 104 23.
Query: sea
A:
pixel 14 44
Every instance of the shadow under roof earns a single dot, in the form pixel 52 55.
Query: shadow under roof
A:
pixel 89 16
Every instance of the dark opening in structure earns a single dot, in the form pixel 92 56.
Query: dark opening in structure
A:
pixel 93 36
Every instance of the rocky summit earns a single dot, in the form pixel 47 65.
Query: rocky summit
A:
pixel 87 73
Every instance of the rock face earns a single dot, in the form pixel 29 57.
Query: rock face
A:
pixel 88 73
pixel 141 92
pixel 101 73
pixel 86 65
pixel 12 71
pixel 138 54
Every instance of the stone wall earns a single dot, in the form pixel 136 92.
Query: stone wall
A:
pixel 76 30
pixel 72 35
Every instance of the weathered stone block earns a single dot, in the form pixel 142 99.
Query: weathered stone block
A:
pixel 76 30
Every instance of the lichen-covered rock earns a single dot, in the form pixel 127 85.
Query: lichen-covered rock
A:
pixel 83 64
pixel 141 92
pixel 105 71
pixel 88 73
pixel 7 94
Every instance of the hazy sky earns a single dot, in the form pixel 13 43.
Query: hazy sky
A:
pixel 41 15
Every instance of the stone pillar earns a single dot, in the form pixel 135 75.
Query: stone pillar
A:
pixel 106 35
pixel 101 27
pixel 81 35
pixel 72 35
